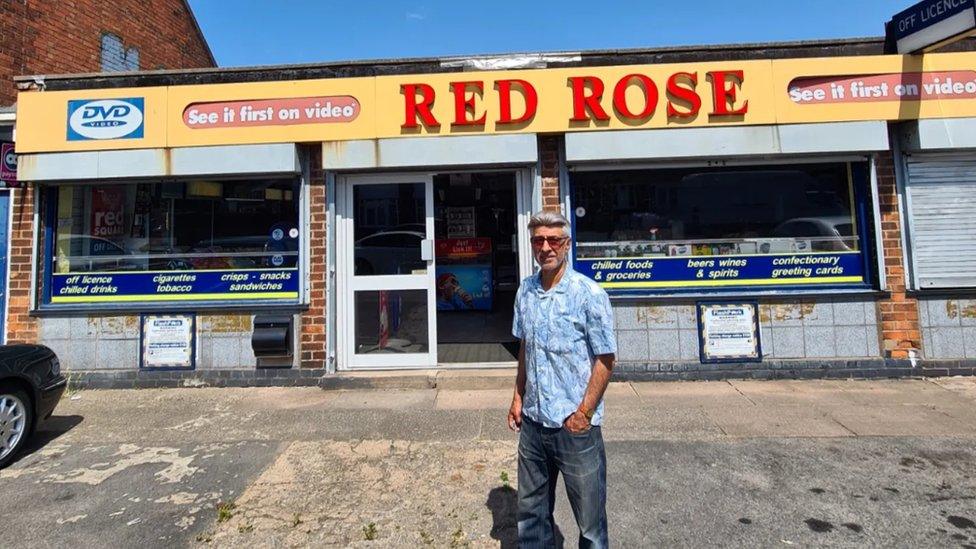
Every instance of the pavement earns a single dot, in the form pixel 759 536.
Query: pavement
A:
pixel 738 463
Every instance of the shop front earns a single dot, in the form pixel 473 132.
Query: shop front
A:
pixel 937 175
pixel 377 222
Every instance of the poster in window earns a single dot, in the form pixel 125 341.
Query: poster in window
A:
pixel 8 165
pixel 460 222
pixel 729 331
pixel 168 342
pixel 108 212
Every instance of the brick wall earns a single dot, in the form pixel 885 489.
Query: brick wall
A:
pixel 898 313
pixel 50 37
pixel 549 153
pixel 55 37
pixel 21 327
pixel 313 322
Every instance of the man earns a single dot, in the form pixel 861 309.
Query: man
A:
pixel 565 325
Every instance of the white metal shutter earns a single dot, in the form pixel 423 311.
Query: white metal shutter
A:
pixel 941 192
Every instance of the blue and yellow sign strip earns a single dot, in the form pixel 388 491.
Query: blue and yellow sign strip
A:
pixel 688 272
pixel 175 286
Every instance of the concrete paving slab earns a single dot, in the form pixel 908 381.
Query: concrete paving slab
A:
pixel 965 386
pixel 473 400
pixel 692 392
pixel 475 379
pixel 904 420
pixel 389 399
pixel 658 423
pixel 621 394
pixel 392 379
pixel 842 393
pixel 760 421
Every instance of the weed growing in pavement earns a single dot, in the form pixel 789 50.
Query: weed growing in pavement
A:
pixel 205 537
pixel 72 379
pixel 369 531
pixel 504 477
pixel 457 538
pixel 245 528
pixel 296 520
pixel 225 510
pixel 426 538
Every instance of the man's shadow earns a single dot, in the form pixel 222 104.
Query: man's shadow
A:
pixel 503 501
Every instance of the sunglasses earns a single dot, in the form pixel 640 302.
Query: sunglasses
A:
pixel 555 242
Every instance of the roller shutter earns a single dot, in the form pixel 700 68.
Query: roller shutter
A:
pixel 941 190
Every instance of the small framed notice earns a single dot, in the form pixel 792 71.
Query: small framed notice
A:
pixel 167 342
pixel 728 331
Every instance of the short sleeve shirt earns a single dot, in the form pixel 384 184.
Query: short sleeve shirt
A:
pixel 563 330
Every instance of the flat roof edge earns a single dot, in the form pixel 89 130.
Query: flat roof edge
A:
pixel 444 60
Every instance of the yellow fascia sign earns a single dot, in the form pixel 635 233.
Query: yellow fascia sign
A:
pixel 721 93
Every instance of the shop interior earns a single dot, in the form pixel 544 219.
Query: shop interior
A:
pixel 476 252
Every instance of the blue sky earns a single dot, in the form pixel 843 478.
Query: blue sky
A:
pixel 263 32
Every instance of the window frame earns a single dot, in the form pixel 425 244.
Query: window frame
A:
pixel 48 202
pixel 862 191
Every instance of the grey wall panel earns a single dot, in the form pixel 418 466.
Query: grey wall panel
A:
pixel 57 166
pixel 144 163
pixel 276 158
pixel 738 141
pixel 415 152
pixel 672 143
pixel 939 134
pixel 833 137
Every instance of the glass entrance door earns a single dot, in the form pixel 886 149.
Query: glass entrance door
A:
pixel 386 244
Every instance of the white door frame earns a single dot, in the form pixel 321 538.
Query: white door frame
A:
pixel 347 283
pixel 527 190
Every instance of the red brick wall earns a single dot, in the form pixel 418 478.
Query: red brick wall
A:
pixel 58 36
pixel 21 327
pixel 549 153
pixel 898 313
pixel 313 341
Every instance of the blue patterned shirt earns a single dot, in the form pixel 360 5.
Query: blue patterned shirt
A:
pixel 563 330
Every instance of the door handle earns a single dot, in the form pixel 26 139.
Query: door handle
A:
pixel 427 250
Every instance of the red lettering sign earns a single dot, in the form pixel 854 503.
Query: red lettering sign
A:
pixel 462 247
pixel 504 88
pixel 684 94
pixel 723 93
pixel 463 103
pixel 620 96
pixel 587 106
pixel 421 109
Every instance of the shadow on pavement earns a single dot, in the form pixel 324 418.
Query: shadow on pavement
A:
pixel 503 501
pixel 47 432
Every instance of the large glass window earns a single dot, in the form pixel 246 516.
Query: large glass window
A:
pixel 174 240
pixel 720 227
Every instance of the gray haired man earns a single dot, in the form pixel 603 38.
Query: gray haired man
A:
pixel 565 325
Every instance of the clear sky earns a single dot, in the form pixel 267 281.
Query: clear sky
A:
pixel 263 32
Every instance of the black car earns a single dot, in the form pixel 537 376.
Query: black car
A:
pixel 30 386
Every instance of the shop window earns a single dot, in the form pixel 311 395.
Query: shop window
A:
pixel 717 228
pixel 172 241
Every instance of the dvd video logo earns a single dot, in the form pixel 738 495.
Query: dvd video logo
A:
pixel 105 119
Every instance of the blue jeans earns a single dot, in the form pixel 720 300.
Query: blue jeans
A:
pixel 544 452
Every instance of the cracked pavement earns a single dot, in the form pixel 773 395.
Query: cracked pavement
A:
pixel 738 463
